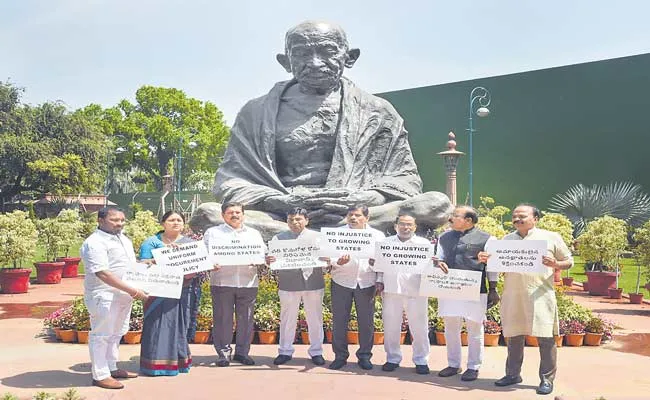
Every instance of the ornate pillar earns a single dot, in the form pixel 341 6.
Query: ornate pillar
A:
pixel 450 157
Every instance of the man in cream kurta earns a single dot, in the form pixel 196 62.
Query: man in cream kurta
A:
pixel 401 292
pixel 528 304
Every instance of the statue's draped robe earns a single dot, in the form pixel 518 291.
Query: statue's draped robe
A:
pixel 372 150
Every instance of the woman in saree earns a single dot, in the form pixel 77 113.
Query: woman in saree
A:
pixel 164 350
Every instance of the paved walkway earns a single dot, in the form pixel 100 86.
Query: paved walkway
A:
pixel 30 363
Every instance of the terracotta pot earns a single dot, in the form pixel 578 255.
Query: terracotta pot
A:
pixel 266 337
pixel 132 337
pixel 559 340
pixel 57 333
pixel 304 337
pixel 599 282
pixel 353 337
pixel 557 275
pixel 82 336
pixel 593 339
pixel 463 339
pixel 71 267
pixel 532 341
pixel 440 339
pixel 574 339
pixel 615 293
pixel 636 298
pixel 567 281
pixel 378 338
pixel 201 337
pixel 68 335
pixel 49 272
pixel 328 336
pixel 402 337
pixel 14 280
pixel 491 339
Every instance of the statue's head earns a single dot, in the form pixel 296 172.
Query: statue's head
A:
pixel 316 53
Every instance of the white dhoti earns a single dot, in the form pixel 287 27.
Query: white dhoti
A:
pixel 289 304
pixel 473 312
pixel 109 321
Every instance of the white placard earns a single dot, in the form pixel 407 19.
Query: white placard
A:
pixel 394 257
pixel 192 257
pixel 458 284
pixel 295 254
pixel 336 242
pixel 231 251
pixel 156 280
pixel 516 256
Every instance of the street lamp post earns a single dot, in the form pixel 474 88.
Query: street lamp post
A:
pixel 110 172
pixel 479 96
pixel 451 157
pixel 179 162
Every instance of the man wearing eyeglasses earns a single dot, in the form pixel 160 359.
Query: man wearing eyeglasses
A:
pixel 459 249
pixel 401 292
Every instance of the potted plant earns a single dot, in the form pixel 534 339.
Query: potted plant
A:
pixel 134 334
pixel 594 330
pixel 53 322
pixel 560 224
pixel 642 255
pixel 464 341
pixel 574 333
pixel 378 322
pixel 71 227
pixel 353 331
pixel 203 324
pixel 328 322
pixel 302 326
pixel 51 237
pixel 601 243
pixel 492 333
pixel 267 323
pixel 439 329
pixel 67 325
pixel 559 339
pixel 432 314
pixel 18 236
pixel 81 319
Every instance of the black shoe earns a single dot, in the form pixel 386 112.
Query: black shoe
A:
pixel 337 364
pixel 365 364
pixel 281 359
pixel 508 380
pixel 545 387
pixel 318 360
pixel 389 367
pixel 422 369
pixel 222 362
pixel 449 371
pixel 246 360
pixel 469 375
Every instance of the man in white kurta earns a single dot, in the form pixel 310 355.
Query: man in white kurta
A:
pixel 401 292
pixel 304 285
pixel 354 279
pixel 458 249
pixel 107 254
pixel 528 303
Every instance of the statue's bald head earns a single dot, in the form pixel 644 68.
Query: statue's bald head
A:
pixel 316 29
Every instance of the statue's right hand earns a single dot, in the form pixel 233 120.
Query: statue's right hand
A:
pixel 281 203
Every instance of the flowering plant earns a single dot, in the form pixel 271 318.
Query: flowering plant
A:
pixel 328 318
pixel 267 318
pixel 491 327
pixel 574 328
pixel 302 321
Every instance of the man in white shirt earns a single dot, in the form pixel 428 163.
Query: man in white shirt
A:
pixel 107 254
pixel 233 287
pixel 401 292
pixel 296 285
pixel 459 249
pixel 353 279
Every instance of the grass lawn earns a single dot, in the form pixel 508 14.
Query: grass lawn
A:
pixel 627 280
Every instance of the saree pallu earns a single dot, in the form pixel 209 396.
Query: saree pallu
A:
pixel 165 350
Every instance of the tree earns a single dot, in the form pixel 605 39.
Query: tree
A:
pixel 162 121
pixel 47 149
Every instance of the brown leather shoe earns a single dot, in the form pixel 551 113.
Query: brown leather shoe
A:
pixel 123 374
pixel 108 383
